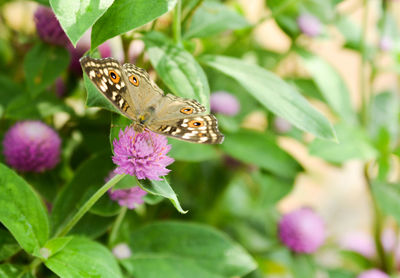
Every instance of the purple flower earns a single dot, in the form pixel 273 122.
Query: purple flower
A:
pixel 373 273
pixel 141 154
pixel 130 198
pixel 309 25
pixel 48 27
pixel 31 146
pixel 224 103
pixel 386 43
pixel 122 251
pixel 302 230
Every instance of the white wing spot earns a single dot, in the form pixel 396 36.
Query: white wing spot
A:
pixel 114 95
pixel 92 74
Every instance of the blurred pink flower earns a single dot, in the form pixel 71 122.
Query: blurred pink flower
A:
pixel 309 25
pixel 386 43
pixel 135 49
pixel 373 273
pixel 143 155
pixel 224 103
pixel 122 251
pixel 31 146
pixel 359 242
pixel 281 125
pixel 130 198
pixel 302 230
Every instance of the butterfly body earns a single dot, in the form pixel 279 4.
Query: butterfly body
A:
pixel 131 91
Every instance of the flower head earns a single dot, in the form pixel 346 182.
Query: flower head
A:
pixel 373 273
pixel 48 27
pixel 302 230
pixel 31 146
pixel 309 25
pixel 141 154
pixel 122 251
pixel 224 103
pixel 130 198
pixel 359 242
pixel 281 125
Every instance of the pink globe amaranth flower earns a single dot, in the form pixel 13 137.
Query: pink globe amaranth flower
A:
pixel 309 25
pixel 48 27
pixel 302 230
pixel 130 198
pixel 224 103
pixel 373 273
pixel 143 155
pixel 31 146
pixel 359 242
pixel 385 43
pixel 122 251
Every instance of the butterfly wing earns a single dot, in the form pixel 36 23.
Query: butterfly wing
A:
pixel 109 78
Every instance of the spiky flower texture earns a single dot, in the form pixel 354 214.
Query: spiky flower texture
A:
pixel 143 155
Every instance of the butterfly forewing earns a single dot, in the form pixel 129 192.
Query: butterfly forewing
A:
pixel 108 76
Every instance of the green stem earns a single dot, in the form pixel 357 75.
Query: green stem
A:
pixel 378 223
pixel 191 13
pixel 88 205
pixel 363 72
pixel 176 27
pixel 116 226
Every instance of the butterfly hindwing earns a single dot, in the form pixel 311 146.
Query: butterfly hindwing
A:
pixel 108 76
pixel 196 129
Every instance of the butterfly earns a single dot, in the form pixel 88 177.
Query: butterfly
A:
pixel 130 89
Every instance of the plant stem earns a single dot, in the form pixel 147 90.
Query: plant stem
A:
pixel 191 13
pixel 176 27
pixel 88 205
pixel 378 223
pixel 363 71
pixel 116 226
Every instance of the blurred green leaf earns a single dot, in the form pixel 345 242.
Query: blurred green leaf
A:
pixel 11 271
pixel 125 15
pixel 177 68
pixel 350 31
pixel 275 94
pixel 303 266
pixel 340 273
pixel 88 178
pixel 353 144
pixel 186 151
pixel 43 64
pixel 330 84
pixel 285 14
pixel 8 245
pixel 22 212
pixel 76 17
pixel 84 258
pixel 95 98
pixel 92 226
pixel 262 151
pixel 385 114
pixel 307 87
pixel 388 198
pixel 212 18
pixel 162 188
pixel 185 250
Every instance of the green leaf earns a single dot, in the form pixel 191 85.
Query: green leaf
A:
pixel 262 151
pixel 212 18
pixel 185 250
pixel 186 151
pixel 177 68
pixel 388 198
pixel 353 144
pixel 84 258
pixel 10 271
pixel 96 99
pixel 275 94
pixel 125 15
pixel 8 245
pixel 76 17
pixel 92 226
pixel 43 64
pixel 330 84
pixel 307 87
pixel 162 188
pixel 22 212
pixel 54 246
pixel 88 178
pixel 303 266
pixel 351 32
